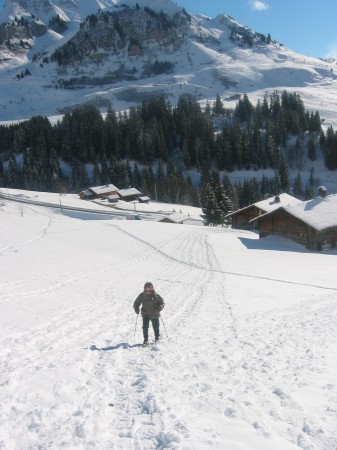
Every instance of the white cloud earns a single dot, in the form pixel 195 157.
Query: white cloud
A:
pixel 332 52
pixel 257 5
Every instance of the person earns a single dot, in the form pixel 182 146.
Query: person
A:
pixel 151 303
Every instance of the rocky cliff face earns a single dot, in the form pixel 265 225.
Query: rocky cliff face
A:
pixel 127 31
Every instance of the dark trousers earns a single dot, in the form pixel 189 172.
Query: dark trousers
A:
pixel 155 325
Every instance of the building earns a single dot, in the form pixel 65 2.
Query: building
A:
pixel 113 194
pixel 128 195
pixel 113 198
pixel 242 218
pixel 144 199
pixel 180 218
pixel 98 192
pixel 312 223
pixel 175 218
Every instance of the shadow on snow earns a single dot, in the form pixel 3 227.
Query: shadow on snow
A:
pixel 123 345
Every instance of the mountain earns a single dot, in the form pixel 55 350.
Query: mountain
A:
pixel 61 53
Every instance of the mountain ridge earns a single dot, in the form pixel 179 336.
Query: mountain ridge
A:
pixel 201 55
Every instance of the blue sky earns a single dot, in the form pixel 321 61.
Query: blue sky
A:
pixel 305 26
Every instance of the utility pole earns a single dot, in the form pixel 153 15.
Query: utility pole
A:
pixel 60 202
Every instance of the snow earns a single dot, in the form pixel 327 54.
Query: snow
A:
pixel 275 202
pixel 248 361
pixel 207 64
pixel 128 191
pixel 319 212
pixel 272 203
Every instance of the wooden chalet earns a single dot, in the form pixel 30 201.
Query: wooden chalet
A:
pixel 312 223
pixel 98 192
pixel 113 198
pixel 175 218
pixel 242 218
pixel 144 199
pixel 128 195
pixel 180 218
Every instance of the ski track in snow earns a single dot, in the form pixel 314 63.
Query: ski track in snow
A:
pixel 9 248
pixel 86 376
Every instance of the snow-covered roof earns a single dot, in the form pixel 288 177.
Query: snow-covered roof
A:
pixel 319 213
pixel 87 192
pixel 99 190
pixel 271 203
pixel 176 218
pixel 113 197
pixel 276 201
pixel 127 192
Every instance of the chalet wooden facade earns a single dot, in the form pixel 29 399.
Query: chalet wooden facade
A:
pixel 243 218
pixel 312 223
pixel 144 199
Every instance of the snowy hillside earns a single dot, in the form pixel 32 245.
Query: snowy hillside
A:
pixel 210 56
pixel 247 358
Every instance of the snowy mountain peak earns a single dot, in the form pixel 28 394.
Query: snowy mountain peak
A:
pixel 46 9
pixel 121 52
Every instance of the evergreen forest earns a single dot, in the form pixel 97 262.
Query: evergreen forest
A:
pixel 178 154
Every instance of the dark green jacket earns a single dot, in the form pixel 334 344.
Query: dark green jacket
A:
pixel 151 304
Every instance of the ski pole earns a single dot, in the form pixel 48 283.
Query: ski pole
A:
pixel 164 327
pixel 134 336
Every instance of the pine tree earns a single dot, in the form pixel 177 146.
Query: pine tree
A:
pixel 224 203
pixel 113 172
pixel 1 170
pixel 210 208
pixel 96 175
pixel 298 188
pixel 276 184
pixel 284 174
pixel 83 178
pixel 12 173
pixel 218 105
pixel 312 178
pixel 308 195
pixel 234 198
pixel 311 149
pixel 244 109
pixel 104 170
pixel 191 195
pixel 264 186
pixel 136 177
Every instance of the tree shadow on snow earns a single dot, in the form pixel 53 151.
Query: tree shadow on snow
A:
pixel 123 345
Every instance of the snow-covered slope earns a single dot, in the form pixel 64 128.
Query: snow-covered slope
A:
pixel 46 9
pixel 248 353
pixel 207 56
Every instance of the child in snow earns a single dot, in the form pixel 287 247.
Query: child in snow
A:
pixel 152 303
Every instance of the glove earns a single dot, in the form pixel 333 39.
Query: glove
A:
pixel 137 311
